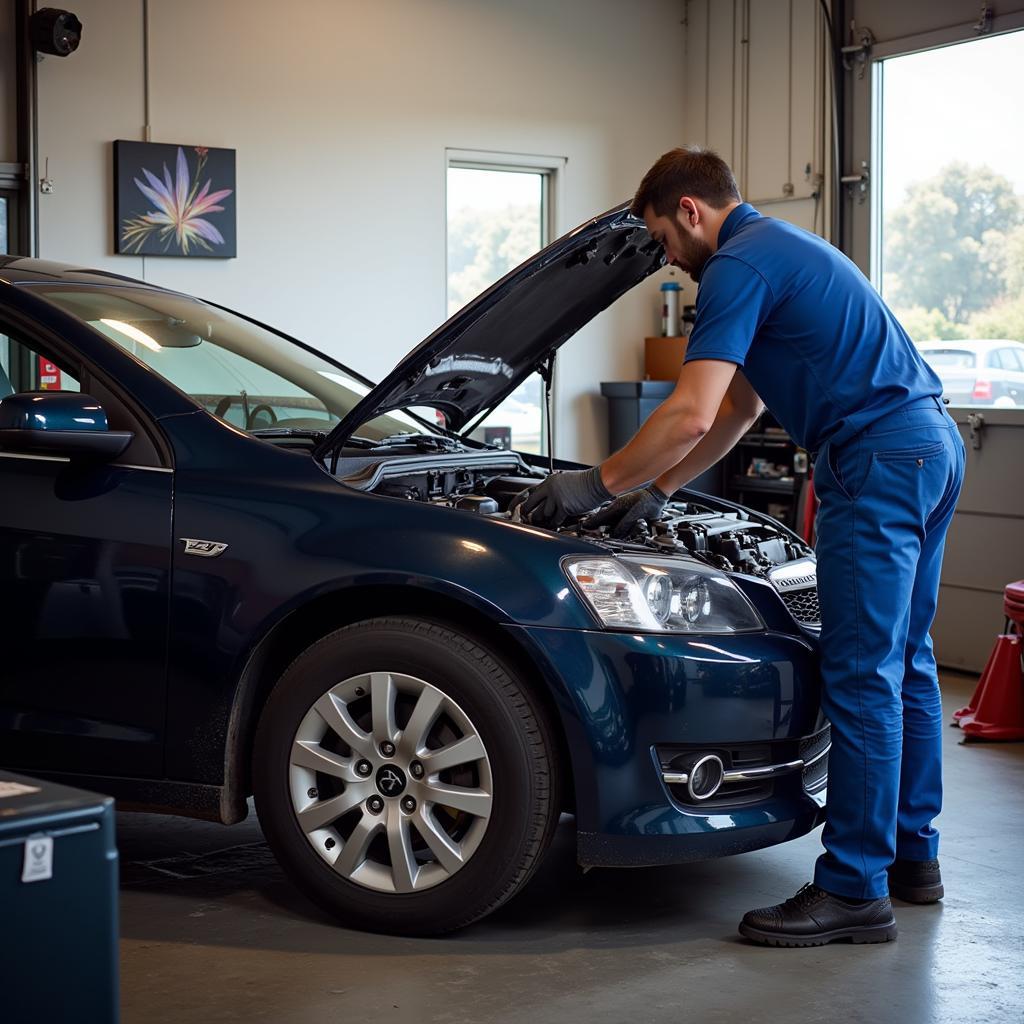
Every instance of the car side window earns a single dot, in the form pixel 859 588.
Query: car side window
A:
pixel 23 368
pixel 1011 359
pixel 27 366
pixel 1003 359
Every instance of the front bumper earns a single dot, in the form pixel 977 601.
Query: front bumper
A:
pixel 631 705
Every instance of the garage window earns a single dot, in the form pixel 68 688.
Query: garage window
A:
pixel 500 212
pixel 950 256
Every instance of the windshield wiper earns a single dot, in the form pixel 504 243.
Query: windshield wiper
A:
pixel 313 435
pixel 424 442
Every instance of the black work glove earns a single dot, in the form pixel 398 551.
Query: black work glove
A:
pixel 569 493
pixel 628 509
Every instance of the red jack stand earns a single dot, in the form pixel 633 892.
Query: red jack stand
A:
pixel 996 710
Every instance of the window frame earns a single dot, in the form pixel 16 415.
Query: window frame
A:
pixel 862 228
pixel 552 169
pixel 33 336
pixel 12 189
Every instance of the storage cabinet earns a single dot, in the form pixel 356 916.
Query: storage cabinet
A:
pixel 753 478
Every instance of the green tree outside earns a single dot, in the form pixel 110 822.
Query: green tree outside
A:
pixel 954 256
pixel 484 245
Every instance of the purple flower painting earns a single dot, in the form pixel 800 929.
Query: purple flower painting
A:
pixel 174 200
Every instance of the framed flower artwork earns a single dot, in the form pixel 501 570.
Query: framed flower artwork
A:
pixel 173 200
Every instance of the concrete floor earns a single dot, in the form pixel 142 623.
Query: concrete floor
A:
pixel 212 931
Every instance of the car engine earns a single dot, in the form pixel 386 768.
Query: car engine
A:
pixel 723 535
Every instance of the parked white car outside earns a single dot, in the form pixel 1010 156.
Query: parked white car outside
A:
pixel 978 371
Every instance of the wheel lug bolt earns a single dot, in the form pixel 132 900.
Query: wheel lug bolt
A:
pixel 312 794
pixel 330 844
pixel 416 770
pixel 364 767
pixel 387 749
pixel 375 805
pixel 408 804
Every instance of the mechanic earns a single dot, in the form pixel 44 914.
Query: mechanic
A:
pixel 813 341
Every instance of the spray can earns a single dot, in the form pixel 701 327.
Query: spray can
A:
pixel 670 309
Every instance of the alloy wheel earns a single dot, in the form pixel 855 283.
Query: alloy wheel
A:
pixel 390 782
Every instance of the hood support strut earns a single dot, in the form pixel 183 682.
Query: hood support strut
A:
pixel 547 374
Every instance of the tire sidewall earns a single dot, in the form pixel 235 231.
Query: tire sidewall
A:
pixel 500 711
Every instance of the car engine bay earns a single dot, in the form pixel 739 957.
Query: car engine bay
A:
pixel 485 482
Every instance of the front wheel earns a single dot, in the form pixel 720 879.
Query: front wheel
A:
pixel 404 777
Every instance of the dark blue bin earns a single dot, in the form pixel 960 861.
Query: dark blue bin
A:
pixel 629 404
pixel 58 934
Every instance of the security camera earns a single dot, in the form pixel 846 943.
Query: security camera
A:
pixel 54 31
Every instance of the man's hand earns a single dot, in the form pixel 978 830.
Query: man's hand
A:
pixel 628 509
pixel 569 493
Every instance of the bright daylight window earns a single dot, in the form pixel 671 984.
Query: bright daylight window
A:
pixel 497 218
pixel 951 254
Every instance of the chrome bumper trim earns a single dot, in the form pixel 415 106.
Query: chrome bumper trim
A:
pixel 747 774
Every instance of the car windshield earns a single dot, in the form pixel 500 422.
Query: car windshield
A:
pixel 246 375
pixel 949 358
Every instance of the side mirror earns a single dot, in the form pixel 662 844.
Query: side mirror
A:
pixel 63 423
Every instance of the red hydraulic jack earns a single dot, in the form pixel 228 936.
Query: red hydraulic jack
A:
pixel 996 710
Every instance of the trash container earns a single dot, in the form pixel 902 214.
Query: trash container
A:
pixel 629 404
pixel 58 904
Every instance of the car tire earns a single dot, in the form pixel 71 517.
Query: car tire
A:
pixel 428 869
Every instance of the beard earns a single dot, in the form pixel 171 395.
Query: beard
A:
pixel 694 254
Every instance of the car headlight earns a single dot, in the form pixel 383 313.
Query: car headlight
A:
pixel 655 595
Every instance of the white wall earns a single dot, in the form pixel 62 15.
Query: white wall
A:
pixel 340 112
pixel 756 89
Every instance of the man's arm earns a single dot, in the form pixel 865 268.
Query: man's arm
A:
pixel 675 429
pixel 740 407
pixel 733 301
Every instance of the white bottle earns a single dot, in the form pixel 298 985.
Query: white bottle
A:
pixel 670 309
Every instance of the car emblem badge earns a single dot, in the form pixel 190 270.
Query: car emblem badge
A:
pixel 390 780
pixel 203 548
pixel 797 575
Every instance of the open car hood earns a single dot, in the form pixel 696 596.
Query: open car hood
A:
pixel 479 356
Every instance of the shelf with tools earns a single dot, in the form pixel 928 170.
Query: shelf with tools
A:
pixel 754 483
pixel 767 470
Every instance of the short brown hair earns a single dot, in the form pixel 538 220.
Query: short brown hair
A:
pixel 687 171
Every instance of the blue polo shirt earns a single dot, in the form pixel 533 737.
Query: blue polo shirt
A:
pixel 815 340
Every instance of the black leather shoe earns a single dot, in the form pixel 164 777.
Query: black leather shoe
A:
pixel 916 881
pixel 814 917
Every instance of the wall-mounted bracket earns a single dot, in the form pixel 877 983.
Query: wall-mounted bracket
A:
pixel 857 184
pixel 977 424
pixel 858 53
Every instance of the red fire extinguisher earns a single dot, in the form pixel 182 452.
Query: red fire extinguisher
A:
pixel 49 375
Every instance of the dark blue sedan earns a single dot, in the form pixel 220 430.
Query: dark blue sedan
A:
pixel 232 566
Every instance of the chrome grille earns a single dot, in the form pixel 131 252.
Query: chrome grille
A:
pixel 814 752
pixel 803 605
pixel 811 746
pixel 810 754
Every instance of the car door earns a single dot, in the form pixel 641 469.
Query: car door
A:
pixel 84 570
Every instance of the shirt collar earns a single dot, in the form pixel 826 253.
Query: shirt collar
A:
pixel 731 223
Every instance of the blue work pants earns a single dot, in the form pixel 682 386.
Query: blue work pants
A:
pixel 887 498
